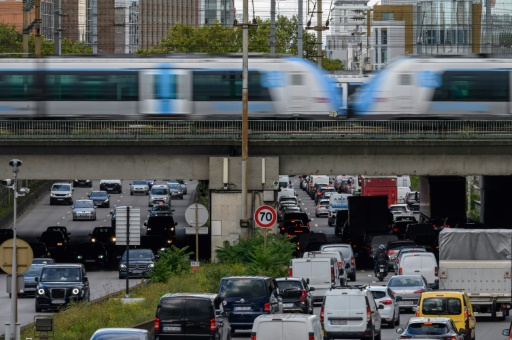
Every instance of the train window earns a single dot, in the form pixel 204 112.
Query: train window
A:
pixel 227 86
pixel 296 79
pixel 16 86
pixel 472 86
pixel 405 79
pixel 91 85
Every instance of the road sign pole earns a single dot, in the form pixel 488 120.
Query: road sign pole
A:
pixel 196 208
pixel 127 295
pixel 265 239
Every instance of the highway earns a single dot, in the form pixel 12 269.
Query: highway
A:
pixel 41 215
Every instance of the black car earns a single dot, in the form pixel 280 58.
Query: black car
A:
pixel 289 223
pixel 39 250
pixel 162 209
pixel 100 199
pixel 296 295
pixel 176 190
pixel 29 277
pixel 160 232
pixel 141 263
pixel 104 235
pixel 303 216
pixel 56 242
pixel 113 214
pixel 91 253
pixel 82 183
pixel 62 229
pixel 200 314
pixel 400 225
pixel 60 284
pixel 6 234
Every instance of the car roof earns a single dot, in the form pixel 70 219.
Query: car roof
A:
pixel 156 186
pixel 420 319
pixel 121 331
pixel 84 200
pixel 210 296
pixel 60 183
pixel 110 180
pixel 64 265
pixel 285 317
pixel 378 288
pixel 289 279
pixel 246 277
pixel 440 293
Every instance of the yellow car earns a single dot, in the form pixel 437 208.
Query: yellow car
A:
pixel 449 304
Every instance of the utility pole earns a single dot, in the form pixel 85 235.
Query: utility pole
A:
pixel 245 111
pixel 319 28
pixel 488 25
pixel 27 5
pixel 57 42
pixel 37 40
pixel 299 31
pixel 94 28
pixel 272 28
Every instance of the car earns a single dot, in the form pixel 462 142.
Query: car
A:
pixel 61 193
pixel 59 284
pixel 405 250
pixel 383 296
pixel 508 331
pixel 288 200
pixel 372 243
pixel 56 242
pixel 42 260
pixel 409 288
pixel 455 305
pixel 296 295
pixel 113 215
pixel 82 183
pixel 289 223
pixel 111 185
pixel 342 265
pixel 400 224
pixel 431 328
pixel 29 277
pixel 283 209
pixel 348 255
pixel 393 247
pixel 139 186
pixel 322 209
pixel 160 232
pixel 287 326
pixel 150 183
pixel 104 235
pixel 246 297
pixel 141 263
pixel 39 250
pixel 182 184
pixel 400 209
pixel 175 189
pixel 161 210
pixel 350 312
pixel 180 315
pixel 62 229
pixel 84 210
pixel 6 234
pixel 91 253
pixel 120 333
pixel 100 199
pixel 159 194
pixel 303 216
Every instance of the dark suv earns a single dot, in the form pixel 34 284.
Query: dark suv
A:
pixel 58 284
pixel 296 295
pixel 141 263
pixel 247 297
pixel 56 242
pixel 182 315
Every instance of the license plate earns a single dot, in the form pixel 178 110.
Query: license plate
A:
pixel 381 270
pixel 137 271
pixel 287 305
pixel 405 302
pixel 242 308
pixel 58 301
pixel 172 329
pixel 338 322
pixel 88 261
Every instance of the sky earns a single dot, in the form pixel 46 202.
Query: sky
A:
pixel 283 7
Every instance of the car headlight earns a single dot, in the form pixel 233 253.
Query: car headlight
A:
pixel 52 194
pixel 59 244
pixel 79 257
pixel 113 239
pixel 100 256
pixel 106 200
pixel 75 291
pixel 122 265
pixel 151 198
pixel 40 291
pixel 151 265
pixel 93 239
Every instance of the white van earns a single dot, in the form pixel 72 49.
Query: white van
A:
pixel 350 312
pixel 420 264
pixel 401 193
pixel 284 181
pixel 287 327
pixel 342 266
pixel 286 192
pixel 321 272
pixel 319 179
pixel 403 181
pixel 337 202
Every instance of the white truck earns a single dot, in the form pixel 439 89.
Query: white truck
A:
pixel 478 261
pixel 321 273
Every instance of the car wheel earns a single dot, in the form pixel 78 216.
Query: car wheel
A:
pixel 121 277
pixel 38 309
pixel 51 202
pixel 316 215
pixel 74 218
pixel 353 277
pixel 94 219
pixel 181 197
pixel 131 193
pixel 377 337
pixel 232 330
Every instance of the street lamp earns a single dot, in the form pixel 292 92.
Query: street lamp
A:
pixel 12 184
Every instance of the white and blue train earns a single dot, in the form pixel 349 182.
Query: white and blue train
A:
pixel 438 88
pixel 178 87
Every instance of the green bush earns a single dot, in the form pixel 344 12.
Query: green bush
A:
pixel 170 261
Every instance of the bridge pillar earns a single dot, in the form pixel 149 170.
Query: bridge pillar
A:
pixel 225 185
pixel 495 211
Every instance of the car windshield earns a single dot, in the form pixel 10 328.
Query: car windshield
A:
pixel 405 282
pixel 344 250
pixel 428 328
pixel 103 231
pixel 397 209
pixel 162 207
pixel 324 203
pixel 61 187
pixel 174 186
pixel 60 274
pixel 99 194
pixel 139 182
pixel 136 254
pixel 34 270
pixel 158 191
pixel 84 204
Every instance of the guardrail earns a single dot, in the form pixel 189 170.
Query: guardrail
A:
pixel 258 130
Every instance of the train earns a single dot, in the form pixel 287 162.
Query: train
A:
pixel 459 87
pixel 166 87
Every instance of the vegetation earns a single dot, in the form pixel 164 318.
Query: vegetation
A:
pixel 178 277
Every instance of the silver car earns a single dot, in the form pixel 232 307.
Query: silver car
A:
pixel 84 210
pixel 383 296
pixel 409 288
pixel 159 194
pixel 138 186
pixel 322 209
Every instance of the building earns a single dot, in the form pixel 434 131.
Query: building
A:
pixel 217 11
pixel 126 27
pixel 11 13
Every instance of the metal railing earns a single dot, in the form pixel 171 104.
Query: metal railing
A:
pixel 258 130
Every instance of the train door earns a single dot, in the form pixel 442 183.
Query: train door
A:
pixel 299 93
pixel 165 92
pixel 403 102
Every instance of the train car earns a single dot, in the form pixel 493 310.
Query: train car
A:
pixel 438 88
pixel 179 87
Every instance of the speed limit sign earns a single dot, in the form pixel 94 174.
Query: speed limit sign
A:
pixel 265 216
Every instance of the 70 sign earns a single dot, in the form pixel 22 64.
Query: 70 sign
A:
pixel 265 216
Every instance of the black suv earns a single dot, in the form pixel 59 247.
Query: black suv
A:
pixel 62 229
pixel 56 242
pixel 59 284
pixel 92 253
pixel 160 232
pixel 296 295
pixel 182 314
pixel 105 235
pixel 141 263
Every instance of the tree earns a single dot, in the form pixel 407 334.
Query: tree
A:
pixel 10 40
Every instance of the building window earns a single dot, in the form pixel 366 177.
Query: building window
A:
pixel 384 37
pixel 388 16
pixel 384 55
pixel 377 36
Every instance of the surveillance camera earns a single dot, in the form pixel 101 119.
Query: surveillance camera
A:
pixel 15 163
pixel 6 182
pixel 24 190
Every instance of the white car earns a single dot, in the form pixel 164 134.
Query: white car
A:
pixel 399 210
pixel 391 311
pixel 322 208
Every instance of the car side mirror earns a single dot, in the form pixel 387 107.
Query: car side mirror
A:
pixel 399 330
pixel 175 223
pixel 506 332
pixel 145 224
pixel 311 289
pixel 89 234
pixel 86 279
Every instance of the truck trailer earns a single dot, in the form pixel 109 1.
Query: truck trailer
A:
pixel 442 200
pixel 479 262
